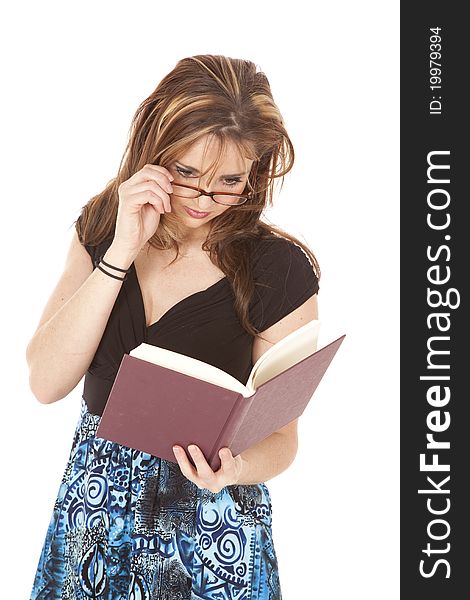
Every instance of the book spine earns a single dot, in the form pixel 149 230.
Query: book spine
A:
pixel 231 427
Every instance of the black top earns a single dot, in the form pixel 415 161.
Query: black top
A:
pixel 203 325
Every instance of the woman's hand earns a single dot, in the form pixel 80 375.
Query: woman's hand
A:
pixel 142 199
pixel 203 476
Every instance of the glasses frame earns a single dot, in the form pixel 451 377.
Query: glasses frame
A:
pixel 202 192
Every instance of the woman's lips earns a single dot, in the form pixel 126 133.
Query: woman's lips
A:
pixel 195 214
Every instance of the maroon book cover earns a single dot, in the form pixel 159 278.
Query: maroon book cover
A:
pixel 151 408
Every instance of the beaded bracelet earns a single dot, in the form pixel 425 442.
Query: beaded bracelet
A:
pixel 97 264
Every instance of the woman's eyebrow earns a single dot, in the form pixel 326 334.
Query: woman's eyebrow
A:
pixel 228 175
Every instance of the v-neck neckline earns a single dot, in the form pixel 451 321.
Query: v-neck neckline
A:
pixel 177 304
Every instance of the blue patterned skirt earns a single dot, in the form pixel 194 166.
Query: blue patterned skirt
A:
pixel 128 525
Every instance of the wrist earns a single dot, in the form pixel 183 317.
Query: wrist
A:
pixel 119 257
pixel 243 469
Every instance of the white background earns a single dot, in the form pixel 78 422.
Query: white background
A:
pixel 73 76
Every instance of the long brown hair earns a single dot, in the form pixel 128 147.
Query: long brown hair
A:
pixel 229 101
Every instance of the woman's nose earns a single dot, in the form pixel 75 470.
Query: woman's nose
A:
pixel 205 203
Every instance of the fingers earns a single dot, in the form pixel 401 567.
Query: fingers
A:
pixel 230 466
pixel 152 184
pixel 202 472
pixel 203 475
pixel 154 173
pixel 160 169
pixel 155 192
pixel 143 198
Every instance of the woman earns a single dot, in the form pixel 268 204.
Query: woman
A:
pixel 181 226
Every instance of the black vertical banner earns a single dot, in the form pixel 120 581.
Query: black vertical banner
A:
pixel 434 296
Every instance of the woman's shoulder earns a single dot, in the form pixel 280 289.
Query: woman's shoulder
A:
pixel 279 254
pixel 284 279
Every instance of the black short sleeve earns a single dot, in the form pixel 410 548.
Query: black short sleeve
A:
pixel 97 252
pixel 91 251
pixel 284 280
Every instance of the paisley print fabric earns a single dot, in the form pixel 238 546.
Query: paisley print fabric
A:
pixel 128 525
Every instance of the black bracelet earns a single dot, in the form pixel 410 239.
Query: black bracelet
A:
pixel 110 274
pixel 112 266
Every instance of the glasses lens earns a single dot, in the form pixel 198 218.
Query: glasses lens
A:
pixel 222 199
pixel 184 192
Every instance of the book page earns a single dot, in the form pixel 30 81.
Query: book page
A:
pixel 290 350
pixel 287 352
pixel 189 366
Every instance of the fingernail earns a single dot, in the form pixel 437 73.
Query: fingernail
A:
pixel 192 448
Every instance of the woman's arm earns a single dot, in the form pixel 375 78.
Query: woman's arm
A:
pixel 275 453
pixel 72 323
pixel 270 456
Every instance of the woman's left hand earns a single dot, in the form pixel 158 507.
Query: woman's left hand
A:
pixel 203 476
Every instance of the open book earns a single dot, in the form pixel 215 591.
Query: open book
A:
pixel 160 398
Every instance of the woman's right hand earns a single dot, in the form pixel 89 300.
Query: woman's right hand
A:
pixel 142 199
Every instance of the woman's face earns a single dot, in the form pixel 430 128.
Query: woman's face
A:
pixel 231 176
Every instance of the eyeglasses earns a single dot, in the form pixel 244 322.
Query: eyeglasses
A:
pixel 227 198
